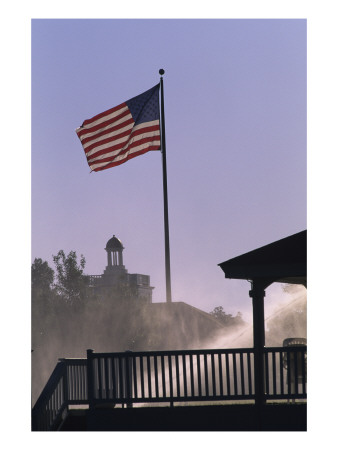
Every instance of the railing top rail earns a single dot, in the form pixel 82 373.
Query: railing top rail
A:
pixel 196 352
pixel 76 361
pixel 172 352
pixel 192 352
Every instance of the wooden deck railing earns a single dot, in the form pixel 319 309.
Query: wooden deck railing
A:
pixel 175 376
pixel 285 372
pixel 168 376
pixel 66 386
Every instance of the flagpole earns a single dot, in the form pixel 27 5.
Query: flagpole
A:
pixel 165 196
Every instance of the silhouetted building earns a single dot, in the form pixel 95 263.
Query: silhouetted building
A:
pixel 115 274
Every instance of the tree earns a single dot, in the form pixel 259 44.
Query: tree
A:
pixel 42 308
pixel 71 283
pixel 42 277
pixel 227 319
pixel 42 290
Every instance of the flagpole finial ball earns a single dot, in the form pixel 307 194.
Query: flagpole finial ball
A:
pixel 161 72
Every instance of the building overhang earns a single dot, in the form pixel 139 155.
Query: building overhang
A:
pixel 283 261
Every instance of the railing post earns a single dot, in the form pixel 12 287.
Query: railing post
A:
pixel 257 294
pixel 65 381
pixel 128 380
pixel 90 379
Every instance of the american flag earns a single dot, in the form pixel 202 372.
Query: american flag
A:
pixel 121 133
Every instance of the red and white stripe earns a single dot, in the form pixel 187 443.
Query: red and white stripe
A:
pixel 111 138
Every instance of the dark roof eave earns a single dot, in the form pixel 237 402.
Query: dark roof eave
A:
pixel 286 250
pixel 278 271
pixel 282 261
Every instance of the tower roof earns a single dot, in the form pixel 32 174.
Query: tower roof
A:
pixel 114 244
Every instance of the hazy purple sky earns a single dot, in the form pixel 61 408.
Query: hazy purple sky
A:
pixel 235 109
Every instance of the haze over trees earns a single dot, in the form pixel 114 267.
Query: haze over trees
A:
pixel 66 310
pixel 227 319
pixel 68 317
pixel 290 320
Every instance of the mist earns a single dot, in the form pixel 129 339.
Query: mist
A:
pixel 285 317
pixel 114 325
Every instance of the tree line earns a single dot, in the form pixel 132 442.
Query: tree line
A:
pixel 67 313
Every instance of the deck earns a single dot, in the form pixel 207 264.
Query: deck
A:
pixel 120 390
